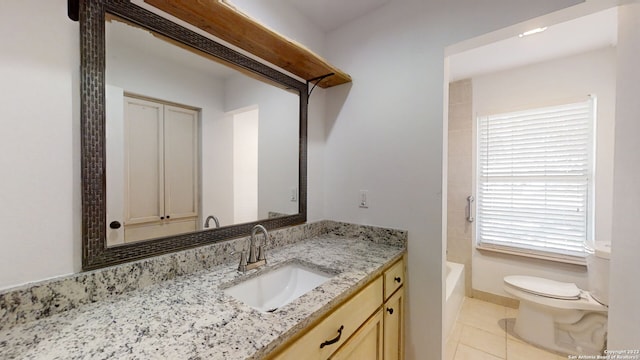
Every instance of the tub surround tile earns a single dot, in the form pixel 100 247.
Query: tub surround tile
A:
pixel 460 135
pixel 173 306
pixel 459 144
pixel 460 116
pixel 460 92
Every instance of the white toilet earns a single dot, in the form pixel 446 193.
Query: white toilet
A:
pixel 561 317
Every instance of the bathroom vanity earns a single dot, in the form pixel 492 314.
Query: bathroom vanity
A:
pixel 133 311
pixel 369 325
pixel 156 279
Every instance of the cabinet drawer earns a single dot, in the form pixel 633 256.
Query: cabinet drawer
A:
pixel 349 316
pixel 393 278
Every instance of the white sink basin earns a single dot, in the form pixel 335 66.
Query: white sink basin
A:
pixel 271 290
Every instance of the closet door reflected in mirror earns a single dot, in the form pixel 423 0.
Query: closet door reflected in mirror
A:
pixel 159 165
pixel 189 138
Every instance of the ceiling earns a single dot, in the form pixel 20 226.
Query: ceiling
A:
pixel 576 36
pixel 331 14
pixel 122 38
pixel 572 37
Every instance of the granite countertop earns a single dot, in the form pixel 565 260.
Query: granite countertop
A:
pixel 190 317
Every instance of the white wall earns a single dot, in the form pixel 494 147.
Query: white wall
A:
pixel 280 16
pixel 551 82
pixel 384 132
pixel 624 312
pixel 40 141
pixel 217 158
pixel 278 140
pixel 114 153
pixel 40 216
pixel 286 20
pixel 141 73
pixel 245 166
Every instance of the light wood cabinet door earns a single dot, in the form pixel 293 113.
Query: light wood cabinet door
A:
pixel 181 162
pixel 394 326
pixel 161 169
pixel 320 342
pixel 351 332
pixel 366 343
pixel 144 161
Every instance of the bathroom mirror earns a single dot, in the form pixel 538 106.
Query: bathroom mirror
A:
pixel 179 131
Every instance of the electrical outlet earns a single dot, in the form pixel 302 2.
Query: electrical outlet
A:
pixel 364 201
pixel 294 194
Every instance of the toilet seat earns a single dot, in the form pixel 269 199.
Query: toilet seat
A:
pixel 544 287
pixel 585 301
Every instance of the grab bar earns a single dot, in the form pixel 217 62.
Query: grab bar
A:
pixel 470 200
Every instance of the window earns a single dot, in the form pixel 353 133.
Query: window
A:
pixel 534 180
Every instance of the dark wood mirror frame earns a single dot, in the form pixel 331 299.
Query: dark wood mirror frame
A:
pixel 95 253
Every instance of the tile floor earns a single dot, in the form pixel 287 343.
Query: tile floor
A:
pixel 485 331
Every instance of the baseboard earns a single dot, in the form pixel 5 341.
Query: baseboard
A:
pixel 496 299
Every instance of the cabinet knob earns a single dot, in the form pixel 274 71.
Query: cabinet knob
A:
pixel 397 279
pixel 115 225
pixel 334 340
pixel 390 311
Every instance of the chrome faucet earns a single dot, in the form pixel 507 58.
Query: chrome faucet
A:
pixel 256 254
pixel 211 217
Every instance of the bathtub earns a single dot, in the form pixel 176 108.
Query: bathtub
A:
pixel 454 295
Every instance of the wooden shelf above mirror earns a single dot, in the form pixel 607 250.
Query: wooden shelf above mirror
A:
pixel 224 21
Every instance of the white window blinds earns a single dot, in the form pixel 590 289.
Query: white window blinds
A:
pixel 533 180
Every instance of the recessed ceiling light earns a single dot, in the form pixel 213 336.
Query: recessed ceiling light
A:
pixel 534 31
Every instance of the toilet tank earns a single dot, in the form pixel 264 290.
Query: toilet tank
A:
pixel 598 271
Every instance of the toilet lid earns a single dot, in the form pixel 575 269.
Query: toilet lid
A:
pixel 544 287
